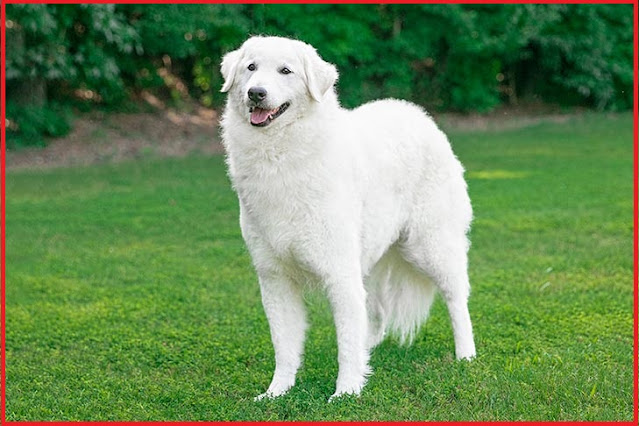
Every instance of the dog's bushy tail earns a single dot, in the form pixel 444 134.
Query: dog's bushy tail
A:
pixel 399 299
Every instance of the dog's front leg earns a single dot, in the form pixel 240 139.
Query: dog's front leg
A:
pixel 348 302
pixel 286 314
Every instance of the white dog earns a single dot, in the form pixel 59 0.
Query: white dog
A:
pixel 370 203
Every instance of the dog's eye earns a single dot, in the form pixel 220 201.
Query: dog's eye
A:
pixel 252 67
pixel 285 71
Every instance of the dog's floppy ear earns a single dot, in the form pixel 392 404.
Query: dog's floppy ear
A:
pixel 320 75
pixel 229 68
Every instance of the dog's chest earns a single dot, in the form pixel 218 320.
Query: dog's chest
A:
pixel 283 207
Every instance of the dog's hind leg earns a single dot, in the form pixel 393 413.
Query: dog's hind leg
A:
pixel 457 304
pixel 443 258
pixel 284 307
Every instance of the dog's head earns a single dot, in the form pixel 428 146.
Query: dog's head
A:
pixel 268 78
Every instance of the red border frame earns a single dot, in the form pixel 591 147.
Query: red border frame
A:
pixel 330 1
pixel 636 211
pixel 635 197
pixel 2 216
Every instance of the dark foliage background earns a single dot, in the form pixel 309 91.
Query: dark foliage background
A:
pixel 468 58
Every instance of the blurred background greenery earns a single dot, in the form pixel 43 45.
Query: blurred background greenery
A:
pixel 63 59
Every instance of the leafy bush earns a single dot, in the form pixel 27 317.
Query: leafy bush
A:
pixel 28 125
pixel 586 56
pixel 184 42
pixel 55 51
pixel 80 45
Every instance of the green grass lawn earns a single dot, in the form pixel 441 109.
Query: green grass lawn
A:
pixel 130 294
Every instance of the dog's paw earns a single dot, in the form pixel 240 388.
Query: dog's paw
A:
pixel 262 396
pixel 466 355
pixel 352 387
pixel 345 393
pixel 269 395
pixel 276 389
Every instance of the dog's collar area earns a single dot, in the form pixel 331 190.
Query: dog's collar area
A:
pixel 261 117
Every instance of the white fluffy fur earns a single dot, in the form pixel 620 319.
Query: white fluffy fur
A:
pixel 371 203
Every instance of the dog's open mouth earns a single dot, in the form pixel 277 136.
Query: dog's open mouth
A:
pixel 261 117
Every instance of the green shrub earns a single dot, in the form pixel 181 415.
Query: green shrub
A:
pixel 29 125
pixel 78 45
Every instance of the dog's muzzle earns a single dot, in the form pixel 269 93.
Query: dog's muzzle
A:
pixel 261 117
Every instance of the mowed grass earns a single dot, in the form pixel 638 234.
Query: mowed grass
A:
pixel 130 294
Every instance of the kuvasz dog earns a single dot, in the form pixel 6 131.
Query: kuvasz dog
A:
pixel 370 204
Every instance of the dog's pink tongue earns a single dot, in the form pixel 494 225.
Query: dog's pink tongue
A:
pixel 259 115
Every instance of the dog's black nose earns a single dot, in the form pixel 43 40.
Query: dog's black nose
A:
pixel 257 94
